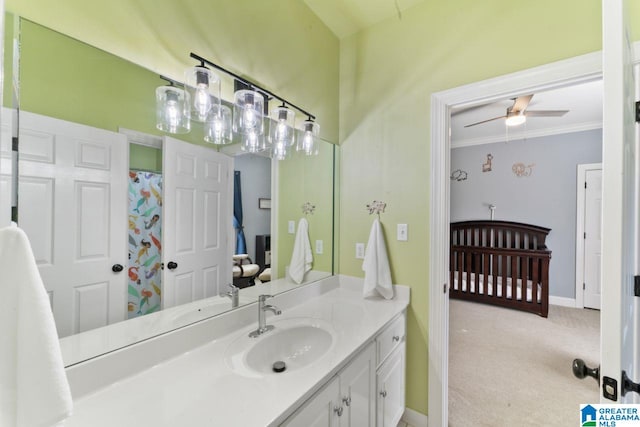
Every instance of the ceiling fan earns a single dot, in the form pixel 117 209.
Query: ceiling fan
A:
pixel 517 113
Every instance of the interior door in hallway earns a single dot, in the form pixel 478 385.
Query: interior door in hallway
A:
pixel 197 221
pixel 592 237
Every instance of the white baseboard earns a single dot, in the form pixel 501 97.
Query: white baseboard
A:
pixel 414 418
pixel 562 301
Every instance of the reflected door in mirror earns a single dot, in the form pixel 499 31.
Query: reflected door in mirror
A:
pixel 197 212
pixel 71 181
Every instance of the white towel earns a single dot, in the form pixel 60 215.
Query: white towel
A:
pixel 302 257
pixel 34 390
pixel 377 274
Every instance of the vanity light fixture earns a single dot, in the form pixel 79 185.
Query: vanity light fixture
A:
pixel 248 112
pixel 253 142
pixel 201 101
pixel 282 128
pixel 203 87
pixel 217 128
pixel 172 109
pixel 308 141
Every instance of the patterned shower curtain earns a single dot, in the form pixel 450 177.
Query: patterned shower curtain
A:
pixel 145 248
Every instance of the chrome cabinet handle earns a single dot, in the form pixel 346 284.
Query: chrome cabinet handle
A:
pixel 383 393
pixel 347 400
pixel 338 410
pixel 396 338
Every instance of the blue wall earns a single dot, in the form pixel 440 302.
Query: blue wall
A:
pixel 547 197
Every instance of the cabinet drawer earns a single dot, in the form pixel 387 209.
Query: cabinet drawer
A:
pixel 390 337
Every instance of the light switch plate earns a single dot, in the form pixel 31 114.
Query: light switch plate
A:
pixel 403 232
pixel 319 247
pixel 360 250
pixel 292 227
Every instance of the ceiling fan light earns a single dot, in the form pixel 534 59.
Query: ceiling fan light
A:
pixel 515 119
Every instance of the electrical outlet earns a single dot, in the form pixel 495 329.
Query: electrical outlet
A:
pixel 403 232
pixel 292 227
pixel 319 247
pixel 360 250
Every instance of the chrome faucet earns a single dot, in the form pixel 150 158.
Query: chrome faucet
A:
pixel 262 318
pixel 233 294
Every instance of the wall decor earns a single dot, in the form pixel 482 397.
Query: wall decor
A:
pixel 308 208
pixel 520 169
pixel 264 203
pixel 458 175
pixel 486 167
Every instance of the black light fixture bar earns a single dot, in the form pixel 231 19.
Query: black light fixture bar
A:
pixel 171 81
pixel 250 84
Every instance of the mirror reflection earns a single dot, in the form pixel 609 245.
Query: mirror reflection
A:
pixel 117 230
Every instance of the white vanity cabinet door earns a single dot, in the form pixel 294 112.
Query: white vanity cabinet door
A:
pixel 319 410
pixel 357 390
pixel 390 389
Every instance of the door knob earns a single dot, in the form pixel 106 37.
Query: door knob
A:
pixel 117 268
pixel 580 370
pixel 172 265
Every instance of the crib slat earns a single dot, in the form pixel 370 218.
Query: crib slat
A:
pixel 514 278
pixel 468 273
pixel 535 278
pixel 524 274
pixel 485 275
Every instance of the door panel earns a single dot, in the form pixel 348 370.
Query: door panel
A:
pixel 197 221
pixel 72 186
pixel 593 238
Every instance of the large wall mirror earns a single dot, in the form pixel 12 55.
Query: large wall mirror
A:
pixel 113 224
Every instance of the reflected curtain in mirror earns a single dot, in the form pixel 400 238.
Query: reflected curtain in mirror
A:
pixel 241 244
pixel 145 235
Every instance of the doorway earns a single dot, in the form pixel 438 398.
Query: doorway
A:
pixel 574 71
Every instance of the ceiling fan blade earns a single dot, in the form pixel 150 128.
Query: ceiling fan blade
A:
pixel 546 113
pixel 521 103
pixel 485 121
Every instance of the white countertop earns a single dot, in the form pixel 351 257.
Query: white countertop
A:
pixel 198 388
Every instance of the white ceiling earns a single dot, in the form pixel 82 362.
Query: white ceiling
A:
pixel 346 17
pixel 583 101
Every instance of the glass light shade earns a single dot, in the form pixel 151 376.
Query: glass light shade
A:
pixel 281 129
pixel 280 150
pixel 248 112
pixel 172 110
pixel 515 119
pixel 308 140
pixel 253 142
pixel 203 87
pixel 217 128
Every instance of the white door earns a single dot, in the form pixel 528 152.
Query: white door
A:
pixel 197 222
pixel 618 335
pixel 590 255
pixel 73 206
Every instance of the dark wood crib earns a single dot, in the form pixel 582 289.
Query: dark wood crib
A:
pixel 501 263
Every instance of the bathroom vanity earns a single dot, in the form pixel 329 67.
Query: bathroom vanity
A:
pixel 344 357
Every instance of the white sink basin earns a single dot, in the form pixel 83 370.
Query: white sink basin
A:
pixel 297 342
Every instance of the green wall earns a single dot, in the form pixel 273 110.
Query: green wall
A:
pixel 388 74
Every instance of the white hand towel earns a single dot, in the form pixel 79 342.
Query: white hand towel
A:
pixel 302 257
pixel 377 274
pixel 34 390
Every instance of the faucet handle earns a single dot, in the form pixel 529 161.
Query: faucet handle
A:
pixel 262 298
pixel 232 288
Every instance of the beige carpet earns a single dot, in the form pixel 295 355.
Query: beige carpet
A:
pixel 508 368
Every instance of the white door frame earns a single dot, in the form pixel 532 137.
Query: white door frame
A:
pixel 580 69
pixel 580 213
pixel 575 70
